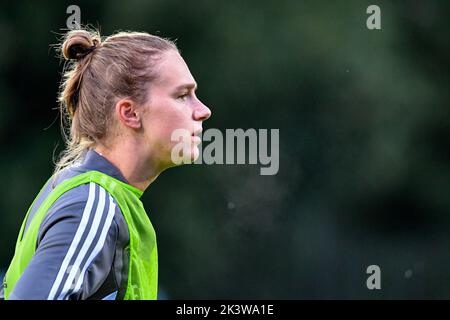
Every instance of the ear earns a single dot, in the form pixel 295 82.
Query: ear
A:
pixel 128 114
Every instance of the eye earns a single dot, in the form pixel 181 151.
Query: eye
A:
pixel 183 96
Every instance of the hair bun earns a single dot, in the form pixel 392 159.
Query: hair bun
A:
pixel 79 43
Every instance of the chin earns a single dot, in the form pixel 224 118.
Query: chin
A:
pixel 187 155
pixel 195 154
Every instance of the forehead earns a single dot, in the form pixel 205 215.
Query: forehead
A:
pixel 173 70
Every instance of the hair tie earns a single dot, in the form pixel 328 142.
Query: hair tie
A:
pixel 92 48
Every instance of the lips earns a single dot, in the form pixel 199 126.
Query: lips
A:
pixel 196 136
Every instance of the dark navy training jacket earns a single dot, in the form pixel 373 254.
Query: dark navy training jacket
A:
pixel 67 242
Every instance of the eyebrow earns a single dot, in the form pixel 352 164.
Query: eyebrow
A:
pixel 189 86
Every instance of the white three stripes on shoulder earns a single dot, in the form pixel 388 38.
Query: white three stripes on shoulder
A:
pixel 75 242
pixel 75 270
pixel 100 242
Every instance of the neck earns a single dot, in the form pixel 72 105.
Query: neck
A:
pixel 137 168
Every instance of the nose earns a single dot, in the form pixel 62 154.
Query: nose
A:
pixel 202 112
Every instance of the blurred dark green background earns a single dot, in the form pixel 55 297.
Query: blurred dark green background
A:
pixel 364 143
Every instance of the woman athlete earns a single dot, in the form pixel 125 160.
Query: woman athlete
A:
pixel 86 235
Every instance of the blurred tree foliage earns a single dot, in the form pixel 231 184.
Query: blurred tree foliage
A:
pixel 364 143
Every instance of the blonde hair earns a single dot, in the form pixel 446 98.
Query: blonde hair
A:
pixel 96 75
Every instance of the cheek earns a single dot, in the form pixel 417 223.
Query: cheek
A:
pixel 163 121
pixel 170 124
